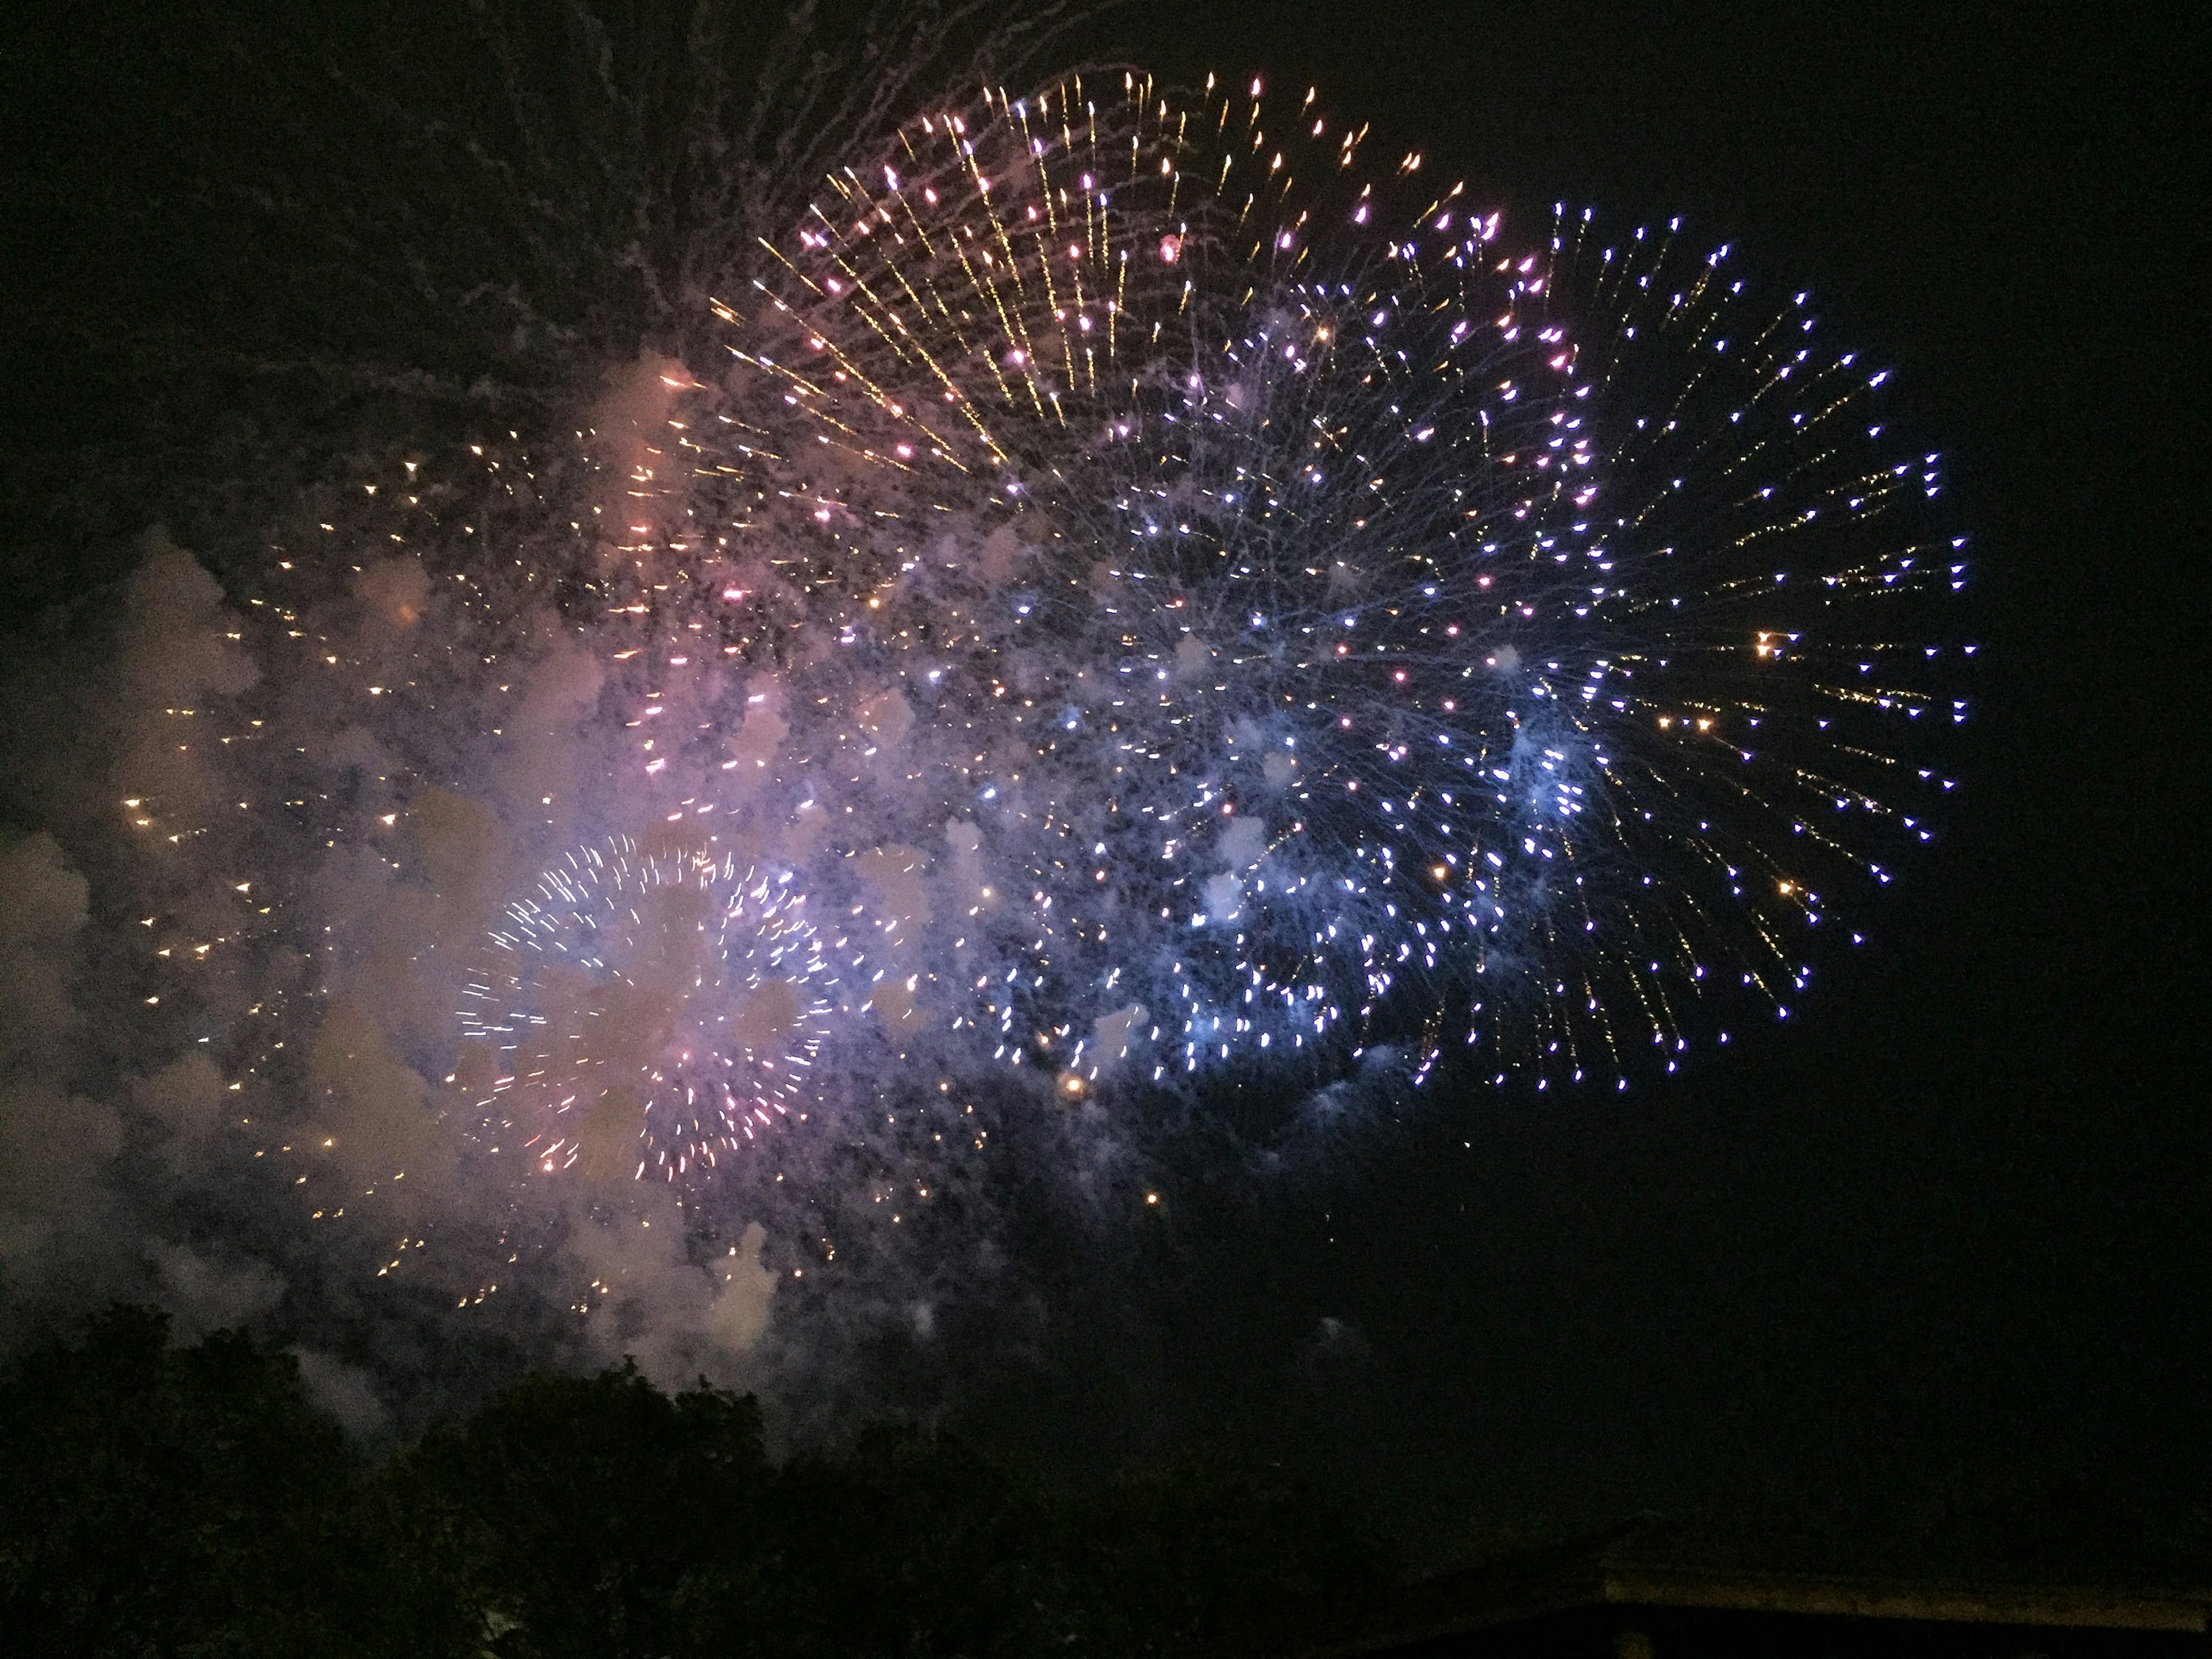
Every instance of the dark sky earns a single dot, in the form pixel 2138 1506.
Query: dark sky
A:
pixel 1952 1226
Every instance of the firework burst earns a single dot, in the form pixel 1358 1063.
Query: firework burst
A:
pixel 656 1008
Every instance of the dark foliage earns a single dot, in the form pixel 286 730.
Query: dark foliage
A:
pixel 164 1500
pixel 158 1500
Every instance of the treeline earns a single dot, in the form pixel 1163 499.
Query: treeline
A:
pixel 157 1499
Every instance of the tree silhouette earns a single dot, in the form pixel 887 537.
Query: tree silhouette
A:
pixel 156 1499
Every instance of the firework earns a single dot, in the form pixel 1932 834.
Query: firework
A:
pixel 1201 600
pixel 654 1008
pixel 1129 611
pixel 1137 592
pixel 1328 620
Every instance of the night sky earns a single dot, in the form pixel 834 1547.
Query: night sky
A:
pixel 1945 1234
